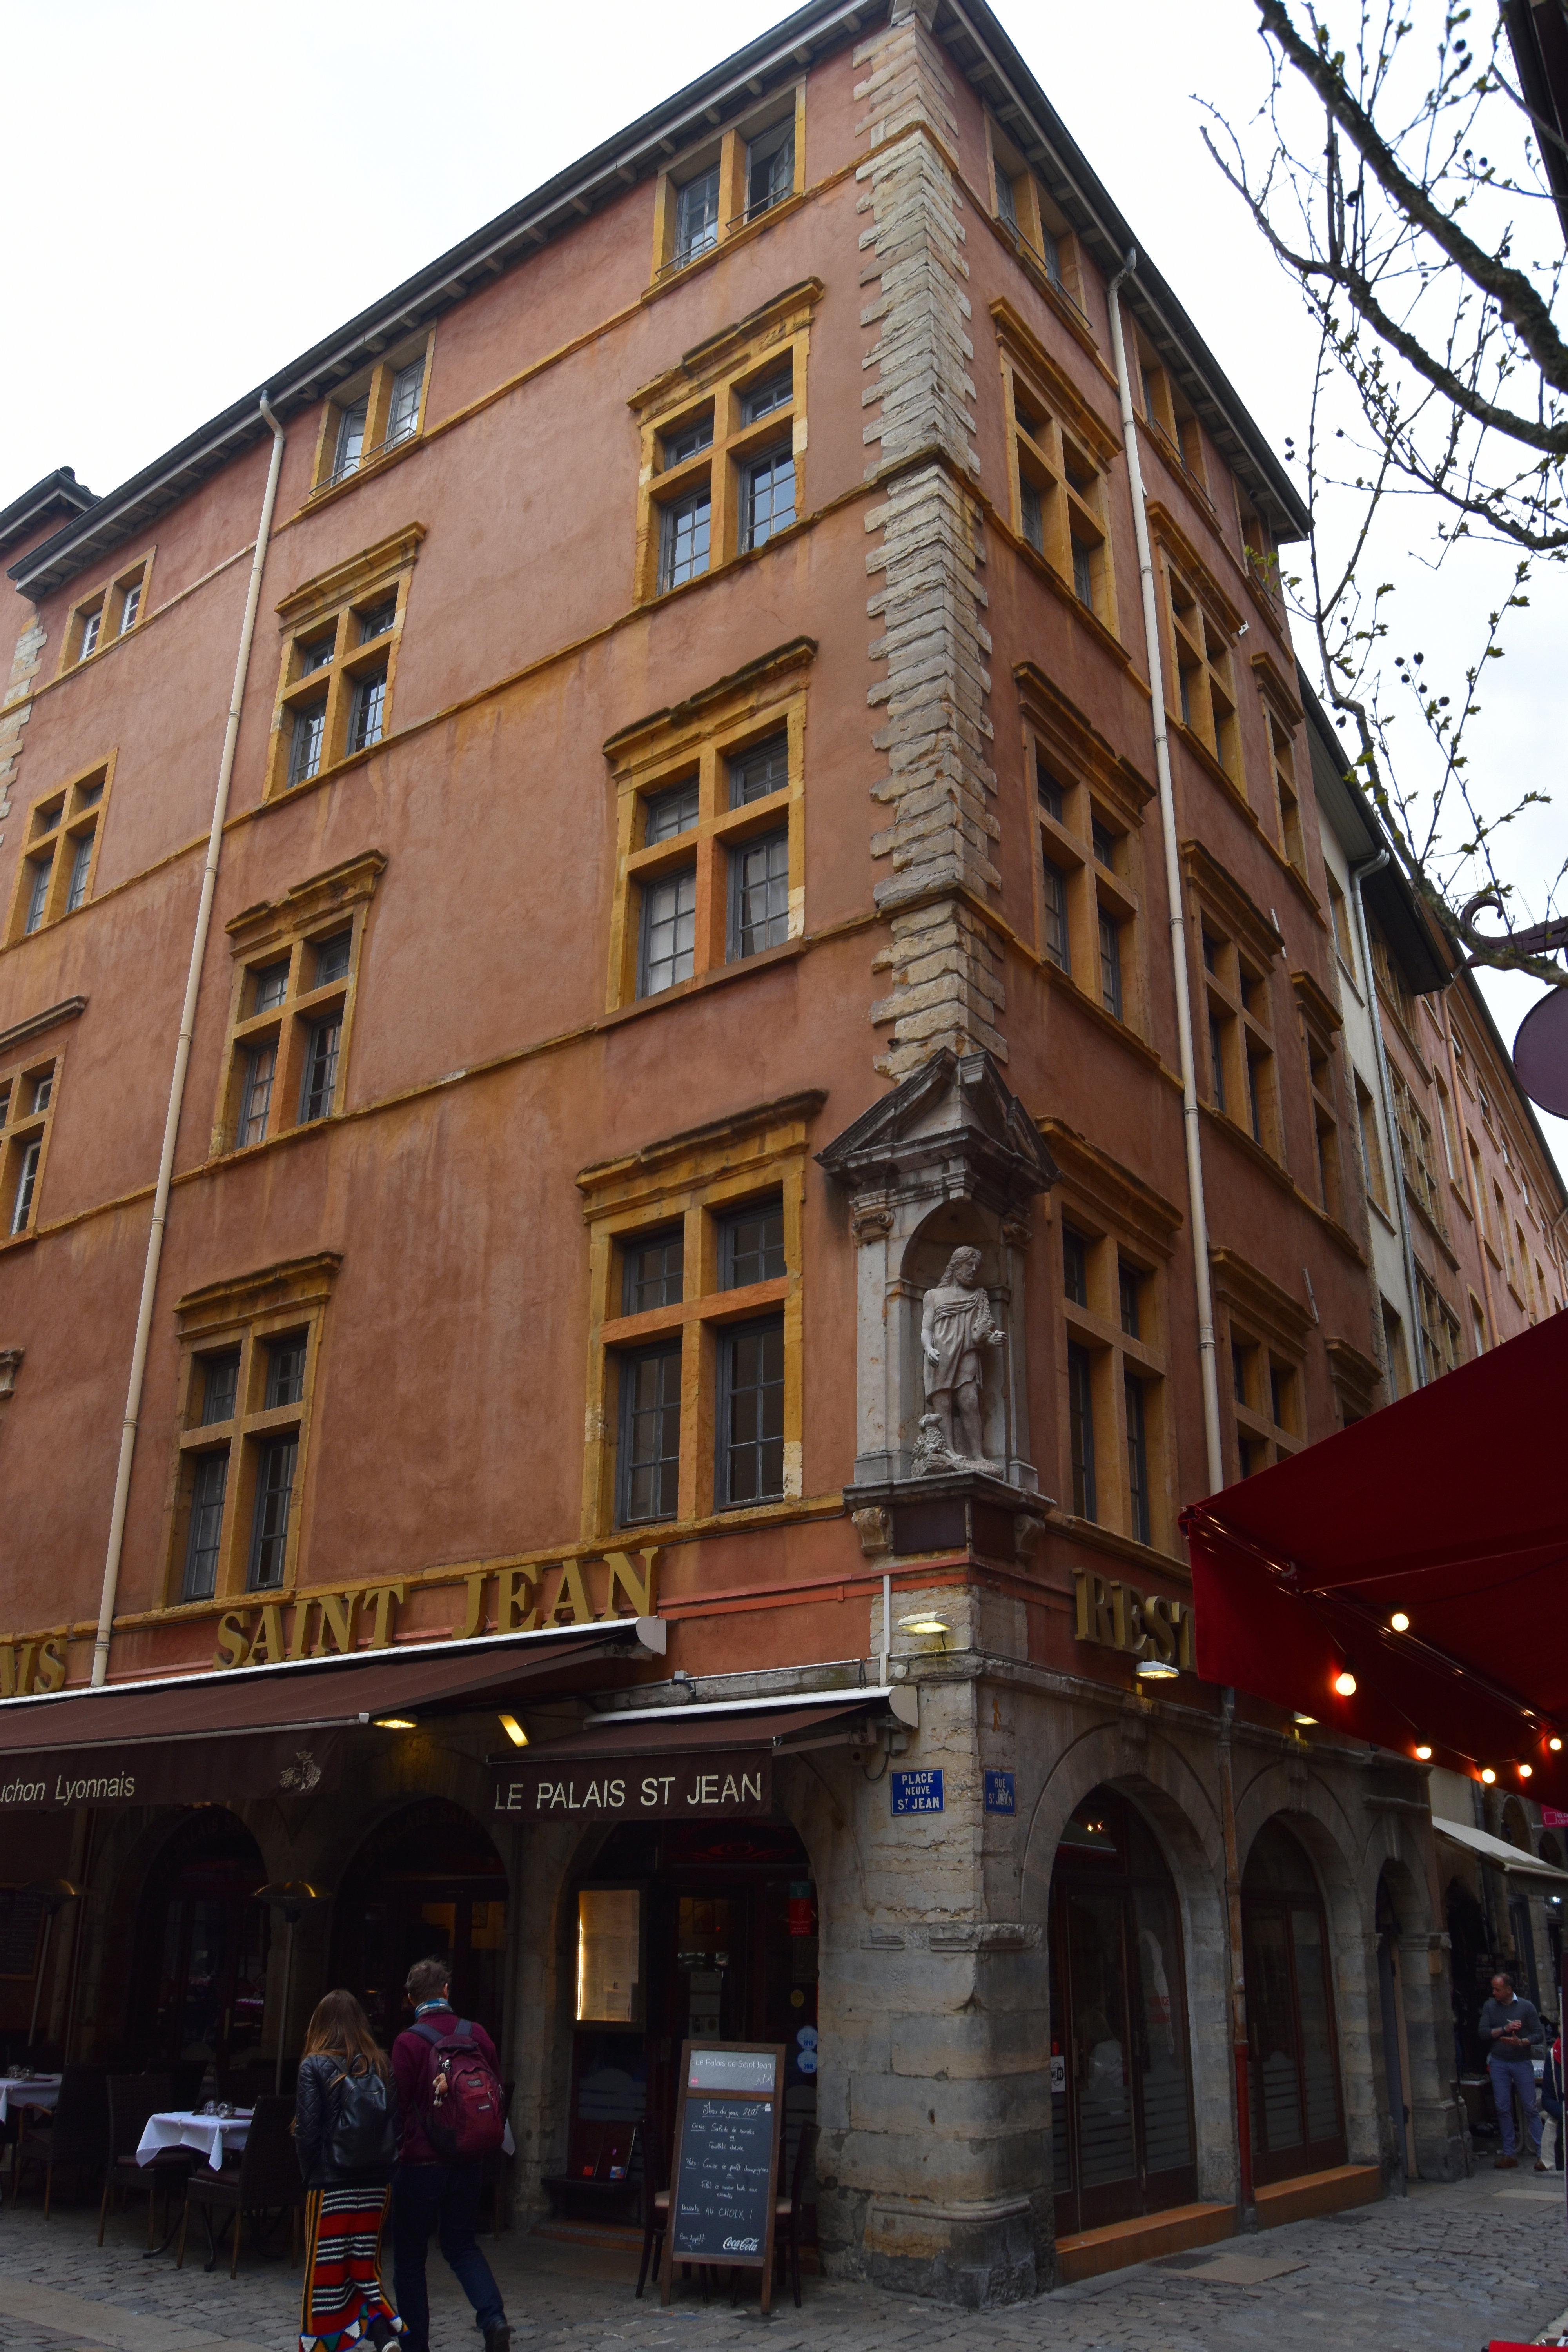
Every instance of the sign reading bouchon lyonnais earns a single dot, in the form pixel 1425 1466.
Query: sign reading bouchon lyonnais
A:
pixel 168 1772
pixel 635 1788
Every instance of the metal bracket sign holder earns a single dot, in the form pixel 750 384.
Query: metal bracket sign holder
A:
pixel 724 2174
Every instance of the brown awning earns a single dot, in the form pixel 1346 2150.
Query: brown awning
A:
pixel 678 1763
pixel 315 1693
pixel 679 1730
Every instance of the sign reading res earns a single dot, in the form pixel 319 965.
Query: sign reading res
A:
pixel 1141 1624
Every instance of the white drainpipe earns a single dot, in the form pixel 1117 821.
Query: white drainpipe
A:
pixel 1198 1215
pixel 182 1064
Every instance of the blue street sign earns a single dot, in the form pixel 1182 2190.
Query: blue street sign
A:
pixel 917 1792
pixel 999 1797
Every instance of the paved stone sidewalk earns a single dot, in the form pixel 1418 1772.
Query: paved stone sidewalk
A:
pixel 1440 2271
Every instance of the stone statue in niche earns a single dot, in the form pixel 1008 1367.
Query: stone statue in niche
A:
pixel 955 1325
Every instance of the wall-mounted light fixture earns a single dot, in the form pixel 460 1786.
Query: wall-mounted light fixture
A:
pixel 1156 1670
pixel 513 1730
pixel 395 1723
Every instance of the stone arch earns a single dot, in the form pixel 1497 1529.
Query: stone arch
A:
pixel 1182 1811
pixel 1333 1842
pixel 134 1874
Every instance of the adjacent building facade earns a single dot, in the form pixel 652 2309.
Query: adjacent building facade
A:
pixel 681 1187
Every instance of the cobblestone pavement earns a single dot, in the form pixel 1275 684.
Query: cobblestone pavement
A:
pixel 1440 2271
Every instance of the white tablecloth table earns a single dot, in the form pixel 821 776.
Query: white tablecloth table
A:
pixel 38 2091
pixel 211 2137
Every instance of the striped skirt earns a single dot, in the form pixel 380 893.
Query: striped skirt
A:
pixel 343 2297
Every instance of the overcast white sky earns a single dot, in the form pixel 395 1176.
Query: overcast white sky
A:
pixel 199 193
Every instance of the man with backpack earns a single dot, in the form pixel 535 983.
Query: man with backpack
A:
pixel 450 2119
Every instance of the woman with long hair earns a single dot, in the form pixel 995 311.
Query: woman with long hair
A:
pixel 343 2132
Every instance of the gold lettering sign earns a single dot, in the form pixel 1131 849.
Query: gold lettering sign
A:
pixel 1116 1616
pixel 503 1601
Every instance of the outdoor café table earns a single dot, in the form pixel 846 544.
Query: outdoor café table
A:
pixel 34 2091
pixel 211 2137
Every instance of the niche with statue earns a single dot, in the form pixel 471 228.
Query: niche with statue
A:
pixel 941 1176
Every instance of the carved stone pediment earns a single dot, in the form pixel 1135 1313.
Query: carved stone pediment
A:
pixel 956 1112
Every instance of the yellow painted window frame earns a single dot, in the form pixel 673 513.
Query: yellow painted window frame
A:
pixel 699 741
pixel 693 1183
pixel 1068 459
pixel 716 376
pixel 290 928
pixel 1033 210
pixel 1248 945
pixel 375 387
pixel 21 1126
pixel 107 601
pixel 727 147
pixel 1319 1021
pixel 77 815
pixel 337 602
pixel 1096 787
pixel 1260 1315
pixel 243 1314
pixel 1119 1218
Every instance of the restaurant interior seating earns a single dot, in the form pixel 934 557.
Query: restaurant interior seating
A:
pixel 75 2139
pixel 132 2099
pixel 265 2182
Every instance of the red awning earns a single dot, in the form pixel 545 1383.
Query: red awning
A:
pixel 1448 1508
pixel 319 1693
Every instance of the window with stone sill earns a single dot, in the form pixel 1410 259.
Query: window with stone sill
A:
pixel 695 1355
pixel 1058 491
pixel 341 635
pixel 60 838
pixel 1265 1393
pixel 1287 800
pixel 1201 683
pixel 291 1010
pixel 710 863
pixel 1440 1329
pixel 1416 1151
pixel 1390 975
pixel 730 181
pixel 1372 1160
pixel 1232 1002
pixel 250 1352
pixel 1035 223
pixel 372 414
pixel 1319 1023
pixel 28 1090
pixel 1090 859
pixel 110 612
pixel 721 468
pixel 1167 408
pixel 1258 552
pixel 1113 1397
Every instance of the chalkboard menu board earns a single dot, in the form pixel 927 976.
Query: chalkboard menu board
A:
pixel 724 2177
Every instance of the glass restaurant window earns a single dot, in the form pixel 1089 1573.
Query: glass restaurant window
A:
pixel 1121 2108
pixel 1298 2122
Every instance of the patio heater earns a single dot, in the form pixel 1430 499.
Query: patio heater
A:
pixel 291 1897
pixel 54 1893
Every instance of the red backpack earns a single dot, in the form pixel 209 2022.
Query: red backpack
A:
pixel 464 2113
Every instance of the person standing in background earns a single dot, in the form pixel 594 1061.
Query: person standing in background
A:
pixel 1511 2034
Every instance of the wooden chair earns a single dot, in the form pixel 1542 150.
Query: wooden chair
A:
pixel 267 2179
pixel 655 2214
pixel 132 2098
pixel 74 2140
pixel 788 2210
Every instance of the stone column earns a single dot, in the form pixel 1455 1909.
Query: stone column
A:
pixel 945 962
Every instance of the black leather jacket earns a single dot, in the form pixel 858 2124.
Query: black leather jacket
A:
pixel 316 2102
